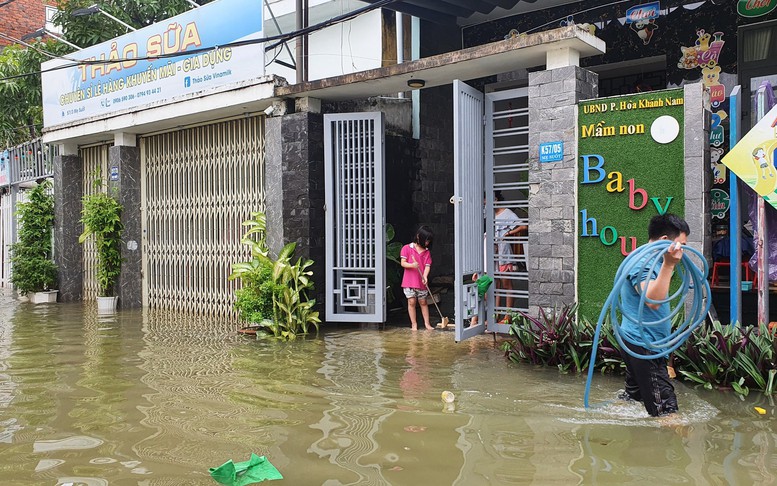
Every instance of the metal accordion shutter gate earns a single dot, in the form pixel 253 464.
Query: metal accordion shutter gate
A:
pixel 95 164
pixel 198 186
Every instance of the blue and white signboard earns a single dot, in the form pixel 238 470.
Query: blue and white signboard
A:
pixel 641 13
pixel 80 91
pixel 552 152
pixel 5 166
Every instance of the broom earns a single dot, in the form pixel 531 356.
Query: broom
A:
pixel 444 323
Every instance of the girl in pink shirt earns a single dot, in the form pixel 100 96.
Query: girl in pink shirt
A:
pixel 417 261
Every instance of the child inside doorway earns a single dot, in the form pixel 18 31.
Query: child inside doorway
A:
pixel 506 225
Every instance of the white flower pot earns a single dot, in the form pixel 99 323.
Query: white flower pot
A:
pixel 46 297
pixel 106 305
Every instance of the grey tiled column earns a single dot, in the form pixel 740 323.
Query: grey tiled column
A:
pixel 294 187
pixel 553 98
pixel 698 177
pixel 68 253
pixel 124 183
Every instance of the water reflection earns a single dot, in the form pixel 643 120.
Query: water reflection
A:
pixel 155 398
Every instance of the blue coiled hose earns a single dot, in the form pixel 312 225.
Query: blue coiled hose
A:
pixel 649 257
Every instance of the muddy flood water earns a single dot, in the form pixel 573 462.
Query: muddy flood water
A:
pixel 156 398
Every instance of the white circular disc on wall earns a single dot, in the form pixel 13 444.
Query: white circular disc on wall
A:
pixel 664 129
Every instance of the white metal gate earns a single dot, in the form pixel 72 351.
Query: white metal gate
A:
pixel 468 208
pixel 501 139
pixel 355 217
pixel 198 186
pixel 95 176
pixel 7 220
pixel 507 171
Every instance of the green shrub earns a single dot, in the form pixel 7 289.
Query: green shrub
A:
pixel 714 356
pixel 101 217
pixel 394 269
pixel 717 356
pixel 559 338
pixel 274 295
pixel 32 269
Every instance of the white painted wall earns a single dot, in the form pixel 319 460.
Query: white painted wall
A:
pixel 344 48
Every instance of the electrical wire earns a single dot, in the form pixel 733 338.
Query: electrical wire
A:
pixel 280 38
pixel 648 259
pixel 30 46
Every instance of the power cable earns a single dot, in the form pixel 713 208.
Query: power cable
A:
pixel 280 38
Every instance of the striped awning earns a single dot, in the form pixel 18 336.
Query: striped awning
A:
pixel 449 11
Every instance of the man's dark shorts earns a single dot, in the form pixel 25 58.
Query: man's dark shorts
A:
pixel 647 381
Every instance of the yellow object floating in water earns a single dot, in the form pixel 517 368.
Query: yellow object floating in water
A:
pixel 760 410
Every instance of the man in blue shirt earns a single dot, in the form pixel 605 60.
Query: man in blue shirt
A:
pixel 647 380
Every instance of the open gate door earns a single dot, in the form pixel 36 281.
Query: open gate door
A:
pixel 355 217
pixel 468 205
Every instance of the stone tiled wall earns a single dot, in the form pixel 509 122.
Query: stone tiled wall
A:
pixel 431 187
pixel 126 160
pixel 553 96
pixel 698 177
pixel 68 253
pixel 294 171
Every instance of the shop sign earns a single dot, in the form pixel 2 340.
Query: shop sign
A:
pixel 642 13
pixel 155 64
pixel 719 171
pixel 114 173
pixel 720 203
pixel 552 152
pixel 705 51
pixel 717 136
pixel 755 8
pixel 5 163
pixel 753 158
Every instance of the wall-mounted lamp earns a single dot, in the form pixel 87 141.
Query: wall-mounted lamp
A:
pixel 93 9
pixel 416 83
pixel 42 31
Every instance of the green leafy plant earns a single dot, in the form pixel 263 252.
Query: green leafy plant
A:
pixel 718 356
pixel 275 291
pixel 32 269
pixel 101 216
pixel 21 105
pixel 714 356
pixel 394 269
pixel 558 338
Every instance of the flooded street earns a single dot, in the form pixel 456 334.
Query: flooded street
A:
pixel 157 398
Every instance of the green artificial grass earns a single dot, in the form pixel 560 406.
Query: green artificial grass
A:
pixel 657 168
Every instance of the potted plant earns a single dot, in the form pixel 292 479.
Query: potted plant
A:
pixel 274 294
pixel 101 216
pixel 33 273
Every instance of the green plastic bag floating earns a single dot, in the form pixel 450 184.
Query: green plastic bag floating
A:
pixel 254 470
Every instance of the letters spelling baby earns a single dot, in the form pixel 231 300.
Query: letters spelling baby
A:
pixel 594 173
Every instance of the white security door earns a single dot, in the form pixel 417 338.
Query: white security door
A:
pixel 468 176
pixel 355 217
pixel 507 174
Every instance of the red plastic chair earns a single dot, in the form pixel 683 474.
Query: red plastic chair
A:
pixel 715 280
